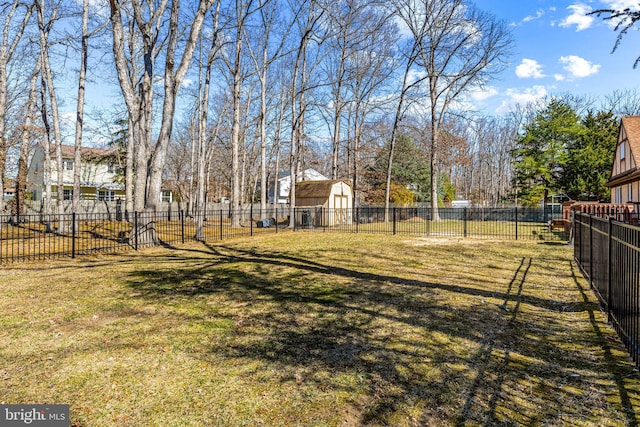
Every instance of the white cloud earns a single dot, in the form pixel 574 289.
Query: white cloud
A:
pixel 516 97
pixel 539 14
pixel 415 75
pixel 632 5
pixel 484 93
pixel 186 83
pixel 622 4
pixel 403 29
pixel 529 69
pixel 578 67
pixel 578 17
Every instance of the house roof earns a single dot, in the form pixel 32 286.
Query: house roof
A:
pixel 631 126
pixel 303 175
pixel 317 189
pixel 68 152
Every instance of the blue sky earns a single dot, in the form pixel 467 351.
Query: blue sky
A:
pixel 560 49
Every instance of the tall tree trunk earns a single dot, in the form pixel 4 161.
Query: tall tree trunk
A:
pixel 7 48
pixel 47 75
pixel 25 139
pixel 82 77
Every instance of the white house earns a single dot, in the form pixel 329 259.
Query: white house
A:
pixel 99 174
pixel 284 183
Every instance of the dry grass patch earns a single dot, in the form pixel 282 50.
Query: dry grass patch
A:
pixel 316 329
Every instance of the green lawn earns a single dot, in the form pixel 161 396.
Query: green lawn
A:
pixel 316 329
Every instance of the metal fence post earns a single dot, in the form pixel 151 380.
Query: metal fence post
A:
pixel 182 224
pixel 73 235
pixel 395 229
pixel 221 214
pixel 464 222
pixel 516 215
pixel 590 250
pixel 135 231
pixel 610 269
pixel 276 218
pixel 251 220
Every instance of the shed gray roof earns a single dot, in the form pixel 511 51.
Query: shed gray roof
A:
pixel 317 189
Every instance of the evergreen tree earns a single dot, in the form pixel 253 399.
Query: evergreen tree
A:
pixel 410 170
pixel 541 153
pixel 590 158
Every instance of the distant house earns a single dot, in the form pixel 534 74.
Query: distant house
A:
pixel 625 172
pixel 284 184
pixel 331 200
pixel 99 174
pixel 9 189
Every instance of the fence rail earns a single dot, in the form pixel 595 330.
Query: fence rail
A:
pixel 608 253
pixel 36 237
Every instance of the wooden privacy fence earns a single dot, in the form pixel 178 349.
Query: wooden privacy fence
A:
pixel 625 212
pixel 608 253
pixel 35 237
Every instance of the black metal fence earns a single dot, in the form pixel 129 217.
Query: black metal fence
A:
pixel 514 223
pixel 36 237
pixel 608 253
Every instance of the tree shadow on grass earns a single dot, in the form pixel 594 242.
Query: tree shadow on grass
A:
pixel 423 357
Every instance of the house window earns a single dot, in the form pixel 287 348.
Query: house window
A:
pixel 111 168
pixel 630 193
pixel 67 194
pixel 618 194
pixel 67 165
pixel 622 151
pixel 105 195
pixel 167 196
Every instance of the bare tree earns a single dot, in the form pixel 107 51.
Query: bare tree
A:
pixel 27 131
pixel 459 47
pixel 624 19
pixel 48 14
pixel 407 85
pixel 202 115
pixel 263 57
pixel 82 79
pixel 370 65
pixel 623 102
pixel 149 22
pixel 11 35
pixel 242 10
pixel 309 18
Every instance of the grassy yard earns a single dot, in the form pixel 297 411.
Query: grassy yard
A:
pixel 316 329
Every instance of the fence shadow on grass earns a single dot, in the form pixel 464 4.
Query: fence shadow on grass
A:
pixel 617 365
pixel 414 350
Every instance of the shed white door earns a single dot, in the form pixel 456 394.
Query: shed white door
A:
pixel 340 206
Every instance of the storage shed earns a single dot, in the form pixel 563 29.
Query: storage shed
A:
pixel 329 202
